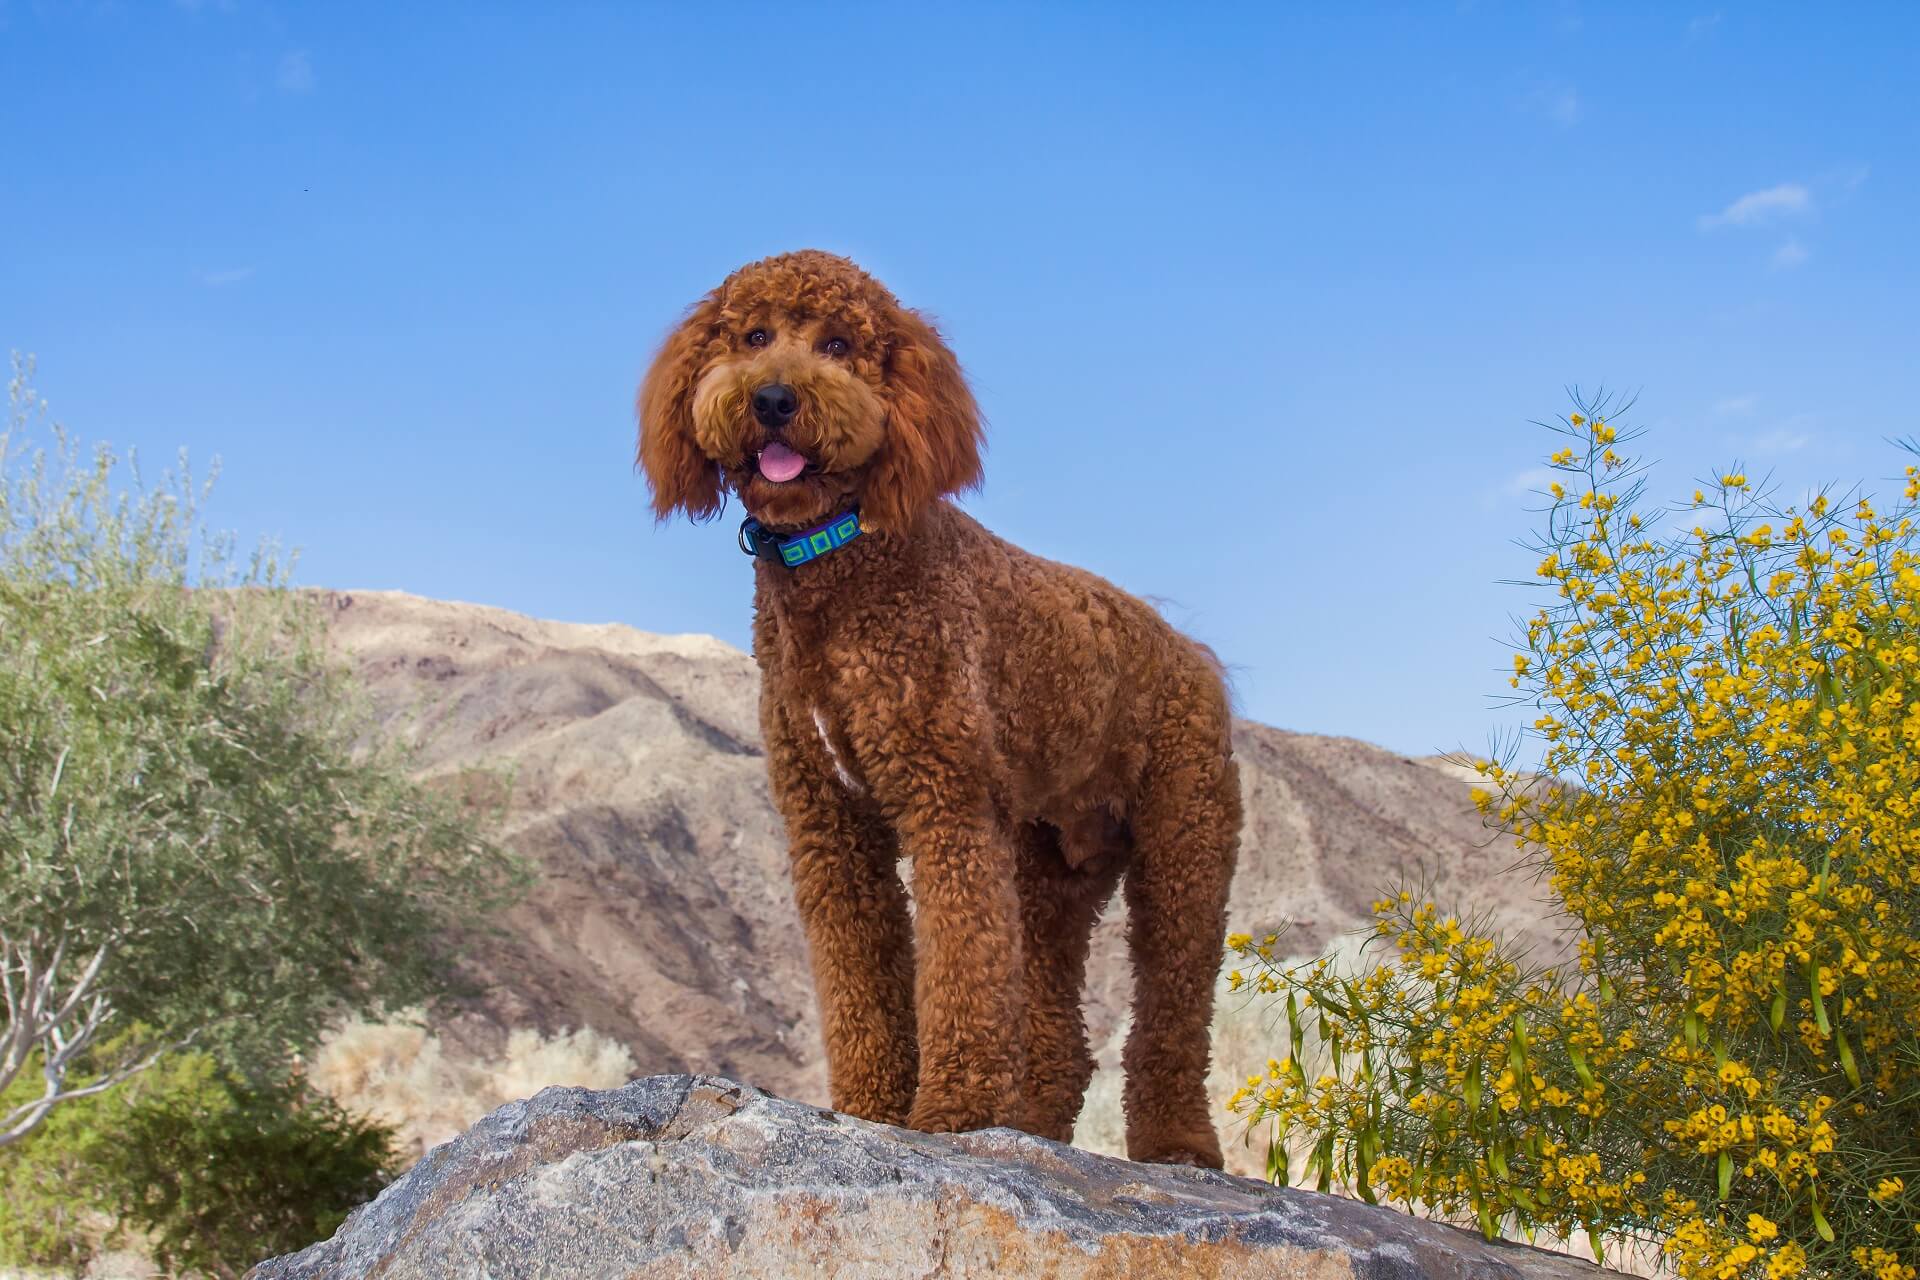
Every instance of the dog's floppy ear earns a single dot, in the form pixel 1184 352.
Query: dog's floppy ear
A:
pixel 682 477
pixel 934 435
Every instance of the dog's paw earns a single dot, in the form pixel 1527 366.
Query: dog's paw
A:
pixel 1191 1159
pixel 955 1113
pixel 882 1102
pixel 1195 1151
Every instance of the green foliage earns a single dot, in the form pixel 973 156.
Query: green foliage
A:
pixel 189 787
pixel 206 1171
pixel 221 1174
pixel 49 1215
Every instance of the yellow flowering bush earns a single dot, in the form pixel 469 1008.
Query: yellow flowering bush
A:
pixel 1729 707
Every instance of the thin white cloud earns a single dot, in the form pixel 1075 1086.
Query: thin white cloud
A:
pixel 1789 255
pixel 1783 435
pixel 1837 187
pixel 296 73
pixel 221 279
pixel 1558 102
pixel 1730 406
pixel 1703 25
pixel 1533 480
pixel 1757 208
pixel 1528 486
pixel 1782 439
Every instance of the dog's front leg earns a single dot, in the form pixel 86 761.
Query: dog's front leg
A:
pixel 846 883
pixel 967 942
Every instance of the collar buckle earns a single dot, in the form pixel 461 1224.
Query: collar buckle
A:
pixel 762 543
pixel 756 541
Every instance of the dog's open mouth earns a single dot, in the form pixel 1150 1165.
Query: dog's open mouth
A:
pixel 780 464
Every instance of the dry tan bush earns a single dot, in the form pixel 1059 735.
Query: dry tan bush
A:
pixel 404 1076
pixel 583 1057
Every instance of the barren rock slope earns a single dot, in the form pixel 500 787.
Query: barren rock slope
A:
pixel 663 914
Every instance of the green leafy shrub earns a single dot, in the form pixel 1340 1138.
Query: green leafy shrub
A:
pixel 201 1169
pixel 198 830
pixel 50 1215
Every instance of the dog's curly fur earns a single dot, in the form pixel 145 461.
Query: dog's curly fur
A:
pixel 1025 734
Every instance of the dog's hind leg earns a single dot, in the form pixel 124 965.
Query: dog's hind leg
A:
pixel 1058 908
pixel 1186 837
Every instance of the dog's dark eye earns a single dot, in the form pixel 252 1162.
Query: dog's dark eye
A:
pixel 834 346
pixel 758 338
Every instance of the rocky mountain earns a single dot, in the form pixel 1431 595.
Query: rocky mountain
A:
pixel 663 916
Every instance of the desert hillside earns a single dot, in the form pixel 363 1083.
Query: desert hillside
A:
pixel 662 916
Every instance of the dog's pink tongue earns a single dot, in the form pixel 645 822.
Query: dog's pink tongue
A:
pixel 780 464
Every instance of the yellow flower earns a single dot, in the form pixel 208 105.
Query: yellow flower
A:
pixel 1788 1260
pixel 1725 799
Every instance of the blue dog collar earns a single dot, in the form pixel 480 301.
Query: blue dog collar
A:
pixel 757 540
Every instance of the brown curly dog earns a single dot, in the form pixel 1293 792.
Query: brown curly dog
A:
pixel 1023 733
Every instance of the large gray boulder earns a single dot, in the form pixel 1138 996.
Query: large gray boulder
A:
pixel 699 1176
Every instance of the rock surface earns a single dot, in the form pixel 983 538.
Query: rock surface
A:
pixel 663 914
pixel 695 1176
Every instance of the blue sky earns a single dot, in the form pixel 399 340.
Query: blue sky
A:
pixel 1259 302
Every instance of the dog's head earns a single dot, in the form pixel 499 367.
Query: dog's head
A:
pixel 802 384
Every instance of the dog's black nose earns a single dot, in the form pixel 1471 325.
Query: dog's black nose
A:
pixel 775 404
